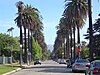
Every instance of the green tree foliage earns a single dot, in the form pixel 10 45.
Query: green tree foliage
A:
pixel 59 52
pixel 29 18
pixel 36 50
pixel 6 42
pixel 85 52
pixel 96 38
pixel 47 54
pixel 96 45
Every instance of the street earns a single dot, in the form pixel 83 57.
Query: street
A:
pixel 47 68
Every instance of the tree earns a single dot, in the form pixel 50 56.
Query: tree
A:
pixel 34 21
pixel 64 31
pixel 5 45
pixel 18 20
pixel 36 50
pixel 90 30
pixel 85 52
pixel 30 18
pixel 96 38
pixel 77 12
pixel 57 44
pixel 96 26
pixel 10 30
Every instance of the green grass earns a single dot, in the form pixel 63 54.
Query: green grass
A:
pixel 7 68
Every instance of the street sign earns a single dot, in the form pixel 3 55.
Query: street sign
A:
pixel 78 49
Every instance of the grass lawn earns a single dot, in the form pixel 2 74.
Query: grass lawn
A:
pixel 7 68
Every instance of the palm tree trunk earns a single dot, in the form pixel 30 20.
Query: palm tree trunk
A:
pixel 25 46
pixel 78 31
pixel 67 47
pixel 90 30
pixel 29 50
pixel 64 49
pixel 31 45
pixel 21 42
pixel 74 43
pixel 35 35
pixel 71 44
pixel 78 38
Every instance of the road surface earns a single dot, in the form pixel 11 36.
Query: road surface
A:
pixel 47 68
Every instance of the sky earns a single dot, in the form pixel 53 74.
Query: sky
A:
pixel 51 11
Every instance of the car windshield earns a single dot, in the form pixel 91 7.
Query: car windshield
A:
pixel 36 60
pixel 82 61
pixel 97 64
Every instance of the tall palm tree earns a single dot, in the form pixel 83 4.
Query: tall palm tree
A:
pixel 90 30
pixel 10 30
pixel 70 20
pixel 18 20
pixel 34 22
pixel 78 11
pixel 65 30
pixel 25 24
pixel 58 44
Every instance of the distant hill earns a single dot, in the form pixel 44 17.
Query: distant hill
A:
pixel 50 47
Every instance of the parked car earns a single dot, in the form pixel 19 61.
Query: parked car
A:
pixel 62 61
pixel 94 68
pixel 58 60
pixel 70 63
pixel 80 65
pixel 37 61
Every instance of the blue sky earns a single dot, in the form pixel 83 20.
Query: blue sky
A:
pixel 51 11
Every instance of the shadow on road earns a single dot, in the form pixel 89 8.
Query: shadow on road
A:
pixel 52 69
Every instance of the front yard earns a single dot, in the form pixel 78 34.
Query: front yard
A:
pixel 7 68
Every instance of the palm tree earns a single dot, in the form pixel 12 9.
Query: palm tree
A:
pixel 10 30
pixel 65 30
pixel 25 24
pixel 70 22
pixel 90 30
pixel 34 22
pixel 58 44
pixel 18 20
pixel 78 12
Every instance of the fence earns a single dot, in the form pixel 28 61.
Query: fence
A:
pixel 5 60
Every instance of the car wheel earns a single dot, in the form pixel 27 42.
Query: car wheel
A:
pixel 73 71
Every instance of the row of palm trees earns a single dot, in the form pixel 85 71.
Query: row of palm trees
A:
pixel 29 18
pixel 73 18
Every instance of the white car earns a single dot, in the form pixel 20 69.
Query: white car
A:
pixel 94 68
pixel 62 61
pixel 80 65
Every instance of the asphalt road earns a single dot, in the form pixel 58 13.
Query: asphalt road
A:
pixel 47 68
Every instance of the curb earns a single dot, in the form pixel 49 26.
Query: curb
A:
pixel 12 71
pixel 18 69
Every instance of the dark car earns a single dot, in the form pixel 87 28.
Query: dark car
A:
pixel 80 65
pixel 62 61
pixel 94 68
pixel 37 61
pixel 70 63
